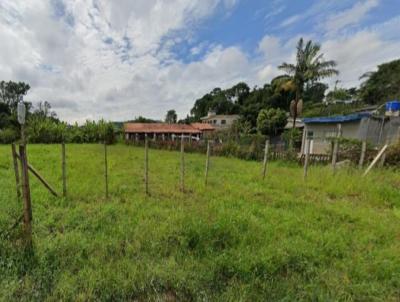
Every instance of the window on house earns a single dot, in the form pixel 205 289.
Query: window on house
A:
pixel 214 121
pixel 223 122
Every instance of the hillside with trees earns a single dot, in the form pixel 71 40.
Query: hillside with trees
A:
pixel 300 88
pixel 382 85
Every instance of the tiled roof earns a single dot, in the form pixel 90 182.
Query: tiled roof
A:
pixel 203 126
pixel 159 128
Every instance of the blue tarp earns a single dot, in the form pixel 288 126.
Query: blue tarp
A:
pixel 336 119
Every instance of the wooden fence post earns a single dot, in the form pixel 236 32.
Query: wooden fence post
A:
pixel 375 160
pixel 146 164
pixel 182 165
pixel 16 171
pixel 265 157
pixel 336 147
pixel 207 161
pixel 64 169
pixel 383 157
pixel 362 157
pixel 26 194
pixel 106 168
pixel 307 157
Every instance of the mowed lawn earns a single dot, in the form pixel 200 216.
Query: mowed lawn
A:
pixel 241 238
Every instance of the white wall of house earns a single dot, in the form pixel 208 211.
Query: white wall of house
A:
pixel 323 133
pixel 220 121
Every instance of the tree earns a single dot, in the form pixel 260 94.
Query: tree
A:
pixel 142 119
pixel 270 121
pixel 238 93
pixel 309 68
pixel 382 85
pixel 315 93
pixel 171 117
pixel 5 115
pixel 226 101
pixel 10 92
pixel 44 111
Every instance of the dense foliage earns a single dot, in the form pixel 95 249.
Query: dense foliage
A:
pixel 300 82
pixel 171 117
pixel 42 124
pixel 342 94
pixel 393 155
pixel 329 109
pixel 270 120
pixel 382 85
pixel 240 99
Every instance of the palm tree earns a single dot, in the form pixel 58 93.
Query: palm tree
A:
pixel 310 67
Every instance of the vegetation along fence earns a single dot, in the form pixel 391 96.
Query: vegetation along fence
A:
pixel 256 150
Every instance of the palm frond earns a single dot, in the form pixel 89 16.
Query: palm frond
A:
pixel 326 73
pixel 288 68
pixel 366 75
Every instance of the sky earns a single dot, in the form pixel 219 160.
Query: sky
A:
pixel 119 59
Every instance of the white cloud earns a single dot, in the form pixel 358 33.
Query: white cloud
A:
pixel 106 59
pixel 360 53
pixel 350 16
pixel 291 20
pixel 97 58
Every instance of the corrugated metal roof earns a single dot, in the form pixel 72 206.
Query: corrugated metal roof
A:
pixel 336 119
pixel 159 128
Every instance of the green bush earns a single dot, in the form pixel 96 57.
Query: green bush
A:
pixel 351 149
pixel 393 155
pixel 8 136
pixel 50 131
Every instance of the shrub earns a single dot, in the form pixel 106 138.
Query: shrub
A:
pixel 293 137
pixel 351 149
pixel 270 121
pixel 393 155
pixel 8 136
pixel 50 131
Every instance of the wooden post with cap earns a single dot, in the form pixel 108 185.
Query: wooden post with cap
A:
pixel 26 194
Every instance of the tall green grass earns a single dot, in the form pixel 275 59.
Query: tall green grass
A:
pixel 333 237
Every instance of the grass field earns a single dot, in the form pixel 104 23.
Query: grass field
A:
pixel 240 239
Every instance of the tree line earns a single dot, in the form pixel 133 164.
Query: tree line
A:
pixel 43 125
pixel 299 90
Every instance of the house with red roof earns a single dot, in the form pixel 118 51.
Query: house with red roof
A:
pixel 164 131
